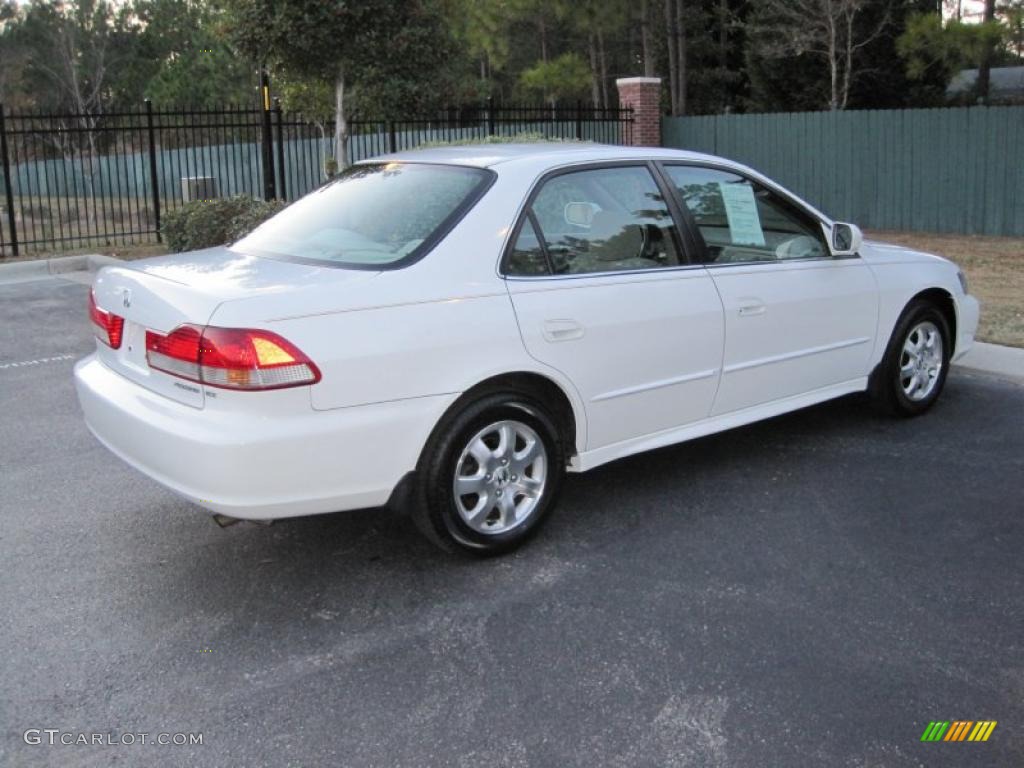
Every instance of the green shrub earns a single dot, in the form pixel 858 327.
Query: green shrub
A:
pixel 206 223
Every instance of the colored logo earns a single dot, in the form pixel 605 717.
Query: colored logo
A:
pixel 958 730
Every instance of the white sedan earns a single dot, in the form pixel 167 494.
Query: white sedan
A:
pixel 451 330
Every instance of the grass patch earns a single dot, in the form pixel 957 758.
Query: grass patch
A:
pixel 995 273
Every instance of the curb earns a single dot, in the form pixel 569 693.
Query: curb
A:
pixel 39 268
pixel 994 360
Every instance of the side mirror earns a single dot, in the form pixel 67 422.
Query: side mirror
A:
pixel 845 239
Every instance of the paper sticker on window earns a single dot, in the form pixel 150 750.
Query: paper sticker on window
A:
pixel 741 211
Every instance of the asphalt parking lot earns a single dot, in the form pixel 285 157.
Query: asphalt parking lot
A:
pixel 808 591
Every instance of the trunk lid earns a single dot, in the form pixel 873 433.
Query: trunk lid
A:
pixel 161 294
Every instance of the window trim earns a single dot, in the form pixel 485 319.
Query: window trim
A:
pixel 526 213
pixel 694 229
pixel 487 177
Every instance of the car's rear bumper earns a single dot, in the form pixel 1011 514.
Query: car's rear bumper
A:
pixel 258 466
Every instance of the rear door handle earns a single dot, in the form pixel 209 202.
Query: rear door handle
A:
pixel 752 309
pixel 562 330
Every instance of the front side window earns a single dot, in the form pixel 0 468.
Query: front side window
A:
pixel 378 215
pixel 742 221
pixel 598 220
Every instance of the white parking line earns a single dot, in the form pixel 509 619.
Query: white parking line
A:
pixel 38 361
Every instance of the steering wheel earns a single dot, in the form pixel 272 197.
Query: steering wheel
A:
pixel 798 247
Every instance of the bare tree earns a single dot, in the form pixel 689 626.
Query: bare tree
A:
pixel 646 43
pixel 74 54
pixel 596 19
pixel 603 58
pixel 676 39
pixel 724 19
pixel 985 67
pixel 681 56
pixel 76 50
pixel 831 30
pixel 673 61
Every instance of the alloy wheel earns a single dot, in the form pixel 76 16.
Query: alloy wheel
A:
pixel 500 477
pixel 921 361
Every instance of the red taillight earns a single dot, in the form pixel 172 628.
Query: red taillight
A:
pixel 176 353
pixel 110 324
pixel 233 358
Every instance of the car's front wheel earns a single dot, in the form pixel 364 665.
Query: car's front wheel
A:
pixel 490 476
pixel 913 372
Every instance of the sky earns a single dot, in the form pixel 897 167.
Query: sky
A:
pixel 970 10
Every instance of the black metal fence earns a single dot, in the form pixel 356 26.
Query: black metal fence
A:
pixel 79 181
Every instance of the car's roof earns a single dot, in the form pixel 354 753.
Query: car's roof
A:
pixel 552 152
pixel 532 158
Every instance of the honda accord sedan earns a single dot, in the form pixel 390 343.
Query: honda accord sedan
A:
pixel 450 330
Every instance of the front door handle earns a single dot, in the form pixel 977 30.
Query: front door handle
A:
pixel 562 330
pixel 752 309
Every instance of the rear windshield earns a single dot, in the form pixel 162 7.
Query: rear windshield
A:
pixel 372 216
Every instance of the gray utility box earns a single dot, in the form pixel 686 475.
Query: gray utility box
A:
pixel 198 188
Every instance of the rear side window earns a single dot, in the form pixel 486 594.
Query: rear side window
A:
pixel 742 221
pixel 595 220
pixel 527 256
pixel 372 216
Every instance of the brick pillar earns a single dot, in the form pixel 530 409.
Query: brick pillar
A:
pixel 643 94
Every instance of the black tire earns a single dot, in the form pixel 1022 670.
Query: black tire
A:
pixel 434 507
pixel 887 390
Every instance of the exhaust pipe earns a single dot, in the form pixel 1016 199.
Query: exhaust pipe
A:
pixel 224 520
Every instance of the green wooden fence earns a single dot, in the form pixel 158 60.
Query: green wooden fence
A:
pixel 955 170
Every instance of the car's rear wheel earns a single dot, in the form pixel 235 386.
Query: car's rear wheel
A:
pixel 490 475
pixel 913 372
